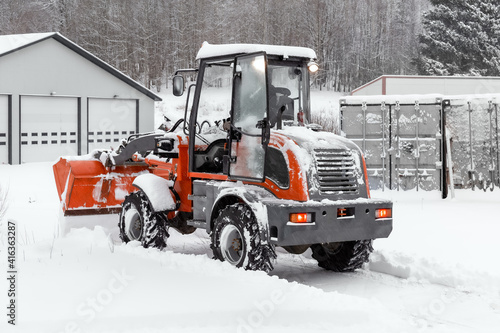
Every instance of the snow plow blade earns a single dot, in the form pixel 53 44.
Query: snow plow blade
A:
pixel 87 187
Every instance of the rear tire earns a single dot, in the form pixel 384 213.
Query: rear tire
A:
pixel 236 239
pixel 342 256
pixel 139 222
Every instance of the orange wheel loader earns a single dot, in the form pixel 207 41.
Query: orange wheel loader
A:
pixel 244 163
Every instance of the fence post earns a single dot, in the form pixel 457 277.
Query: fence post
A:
pixel 384 154
pixel 447 163
pixel 471 174
pixel 417 143
pixel 497 181
pixel 397 108
pixel 491 167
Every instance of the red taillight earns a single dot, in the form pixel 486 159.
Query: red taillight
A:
pixel 301 218
pixel 383 213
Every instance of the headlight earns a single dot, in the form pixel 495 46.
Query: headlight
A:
pixel 313 67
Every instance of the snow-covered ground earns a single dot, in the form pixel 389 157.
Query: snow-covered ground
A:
pixel 437 272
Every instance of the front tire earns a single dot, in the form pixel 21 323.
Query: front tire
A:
pixel 139 222
pixel 342 256
pixel 236 239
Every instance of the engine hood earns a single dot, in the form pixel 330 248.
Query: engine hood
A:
pixel 311 140
pixel 332 164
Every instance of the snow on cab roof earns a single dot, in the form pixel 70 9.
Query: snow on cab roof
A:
pixel 9 43
pixel 214 50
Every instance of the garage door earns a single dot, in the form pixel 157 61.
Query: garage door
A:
pixel 49 127
pixel 4 129
pixel 109 121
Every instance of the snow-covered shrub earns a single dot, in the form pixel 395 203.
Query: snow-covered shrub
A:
pixel 328 121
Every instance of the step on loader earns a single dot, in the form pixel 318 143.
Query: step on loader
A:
pixel 245 164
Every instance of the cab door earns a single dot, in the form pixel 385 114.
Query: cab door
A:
pixel 249 133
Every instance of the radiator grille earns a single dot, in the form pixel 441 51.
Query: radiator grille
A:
pixel 336 171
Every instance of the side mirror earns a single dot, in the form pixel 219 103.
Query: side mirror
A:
pixel 178 85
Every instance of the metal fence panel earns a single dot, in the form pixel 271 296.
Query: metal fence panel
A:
pixel 367 126
pixel 402 142
pixel 474 139
pixel 417 141
pixel 403 139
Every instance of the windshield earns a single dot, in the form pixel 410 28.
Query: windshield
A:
pixel 288 96
pixel 288 93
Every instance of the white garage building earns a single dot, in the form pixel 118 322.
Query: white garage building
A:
pixel 58 99
pixel 445 85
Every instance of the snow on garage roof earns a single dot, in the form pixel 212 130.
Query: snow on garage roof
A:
pixel 214 50
pixel 10 43
pixel 13 43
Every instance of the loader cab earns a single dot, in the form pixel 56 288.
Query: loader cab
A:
pixel 238 99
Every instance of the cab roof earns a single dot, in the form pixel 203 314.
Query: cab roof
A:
pixel 216 50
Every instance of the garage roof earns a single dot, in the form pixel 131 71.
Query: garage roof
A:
pixel 13 43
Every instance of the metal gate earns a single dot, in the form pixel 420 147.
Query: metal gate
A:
pixel 409 141
pixel 402 141
pixel 472 127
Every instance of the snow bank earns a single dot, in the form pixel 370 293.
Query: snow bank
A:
pixel 452 242
pixel 434 271
pixel 90 283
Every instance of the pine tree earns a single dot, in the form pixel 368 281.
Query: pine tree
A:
pixel 461 37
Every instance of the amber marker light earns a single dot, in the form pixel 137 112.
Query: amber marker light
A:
pixel 383 213
pixel 301 218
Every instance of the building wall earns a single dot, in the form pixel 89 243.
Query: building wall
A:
pixel 49 68
pixel 446 86
pixel 405 85
pixel 371 88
